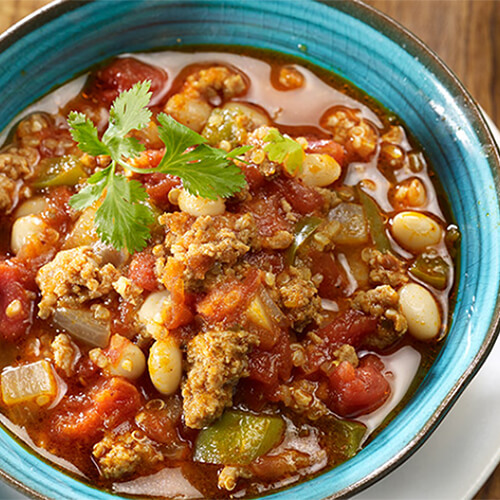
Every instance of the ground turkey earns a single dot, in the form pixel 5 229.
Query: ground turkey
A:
pixel 120 455
pixel 383 303
pixel 72 278
pixel 201 242
pixel 217 360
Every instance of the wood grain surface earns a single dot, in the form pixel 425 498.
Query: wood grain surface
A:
pixel 464 33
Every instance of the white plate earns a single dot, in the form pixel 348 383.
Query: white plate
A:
pixel 458 457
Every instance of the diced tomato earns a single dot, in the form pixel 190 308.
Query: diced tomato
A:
pixel 269 214
pixel 269 367
pixel 350 327
pixel 159 186
pixel 226 303
pixel 106 406
pixel 178 312
pixel 142 271
pixel 334 281
pixel 263 367
pixel 254 178
pixel 150 158
pixel 121 74
pixel 357 391
pixel 161 425
pixel 124 319
pixel 16 300
pixel 304 199
pixel 327 146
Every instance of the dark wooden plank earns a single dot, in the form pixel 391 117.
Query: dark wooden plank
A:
pixel 464 33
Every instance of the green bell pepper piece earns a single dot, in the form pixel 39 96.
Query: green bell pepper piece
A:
pixel 63 171
pixel 375 221
pixel 431 269
pixel 238 438
pixel 303 230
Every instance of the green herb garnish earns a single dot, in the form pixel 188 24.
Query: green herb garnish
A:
pixel 283 149
pixel 124 217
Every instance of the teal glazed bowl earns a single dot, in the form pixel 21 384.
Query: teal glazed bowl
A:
pixel 378 56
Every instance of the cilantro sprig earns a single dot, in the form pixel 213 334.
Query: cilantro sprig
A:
pixel 283 149
pixel 124 216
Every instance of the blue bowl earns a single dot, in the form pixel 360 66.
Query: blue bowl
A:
pixel 375 54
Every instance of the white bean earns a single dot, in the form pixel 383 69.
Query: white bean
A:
pixel 319 170
pixel 415 231
pixel 151 313
pixel 198 206
pixel 24 229
pixel 165 365
pixel 420 310
pixel 129 362
pixel 32 206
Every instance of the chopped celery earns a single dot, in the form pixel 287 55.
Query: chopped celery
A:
pixel 238 438
pixel 35 381
pixel 431 269
pixel 63 171
pixel 375 221
pixel 303 230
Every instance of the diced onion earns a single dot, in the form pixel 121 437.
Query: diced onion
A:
pixel 81 324
pixel 34 381
pixel 264 312
pixel 354 226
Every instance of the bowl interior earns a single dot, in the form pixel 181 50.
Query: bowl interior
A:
pixel 375 55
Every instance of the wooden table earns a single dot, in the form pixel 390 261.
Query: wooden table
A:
pixel 466 34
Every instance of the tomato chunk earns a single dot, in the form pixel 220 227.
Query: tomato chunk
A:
pixel 227 303
pixel 304 199
pixel 351 327
pixel 107 405
pixel 158 186
pixel 357 391
pixel 334 280
pixel 271 366
pixel 16 300
pixel 179 310
pixel 121 74
pixel 142 271
pixel 327 146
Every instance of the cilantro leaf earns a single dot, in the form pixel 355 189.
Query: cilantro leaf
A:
pixel 88 195
pixel 283 149
pixel 129 112
pixel 176 137
pixel 122 220
pixel 207 172
pixel 123 217
pixel 84 133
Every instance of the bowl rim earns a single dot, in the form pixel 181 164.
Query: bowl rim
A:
pixel 413 45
